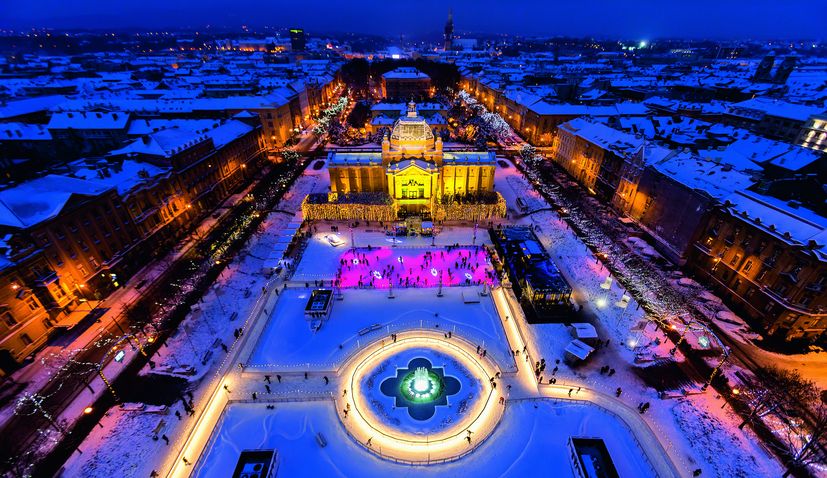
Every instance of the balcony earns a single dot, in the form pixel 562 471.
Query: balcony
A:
pixel 790 277
pixel 815 287
pixel 46 278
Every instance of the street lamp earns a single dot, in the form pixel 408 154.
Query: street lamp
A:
pixel 82 295
pixel 735 393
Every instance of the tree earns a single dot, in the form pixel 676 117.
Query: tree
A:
pixel 290 156
pixel 804 439
pixel 355 76
pixel 359 115
pixel 776 389
pixel 528 153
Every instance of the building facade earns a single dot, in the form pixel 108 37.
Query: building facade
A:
pixel 767 260
pixel 414 173
pixel 405 84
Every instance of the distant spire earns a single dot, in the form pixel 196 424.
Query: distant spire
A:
pixel 449 31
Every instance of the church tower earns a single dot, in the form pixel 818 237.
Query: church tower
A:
pixel 449 31
pixel 763 73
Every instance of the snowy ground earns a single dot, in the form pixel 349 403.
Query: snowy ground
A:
pixel 625 326
pixel 121 444
pixel 696 431
pixel 530 440
pixel 288 343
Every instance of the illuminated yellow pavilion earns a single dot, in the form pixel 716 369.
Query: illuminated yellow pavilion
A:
pixel 413 171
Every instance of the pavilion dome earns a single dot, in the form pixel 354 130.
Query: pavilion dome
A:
pixel 411 131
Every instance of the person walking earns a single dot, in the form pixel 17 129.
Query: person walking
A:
pixel 165 438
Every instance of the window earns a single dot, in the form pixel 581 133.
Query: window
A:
pixel 32 303
pixel 748 266
pixel 9 319
pixel 82 271
pixel 26 339
pixel 735 259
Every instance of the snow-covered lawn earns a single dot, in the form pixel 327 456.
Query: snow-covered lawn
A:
pixel 531 440
pixel 712 428
pixel 722 447
pixel 288 343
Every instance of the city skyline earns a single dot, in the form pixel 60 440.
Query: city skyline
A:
pixel 372 239
pixel 602 19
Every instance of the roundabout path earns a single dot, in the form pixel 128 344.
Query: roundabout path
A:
pixel 446 445
pixel 381 438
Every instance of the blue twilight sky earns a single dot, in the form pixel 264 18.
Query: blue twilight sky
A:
pixel 599 18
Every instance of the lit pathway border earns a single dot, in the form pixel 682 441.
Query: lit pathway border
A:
pixel 451 448
pixel 649 443
pixel 450 444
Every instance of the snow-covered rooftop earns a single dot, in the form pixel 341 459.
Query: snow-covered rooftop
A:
pixel 124 176
pixel 405 72
pixel 88 120
pixel 41 199
pixel 789 222
pixel 778 108
pixel 24 132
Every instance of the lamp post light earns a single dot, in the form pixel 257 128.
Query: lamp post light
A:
pixel 735 393
pixel 88 410
pixel 81 295
pixel 682 338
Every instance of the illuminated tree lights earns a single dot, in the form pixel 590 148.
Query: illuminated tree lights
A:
pixel 325 118
pixel 381 207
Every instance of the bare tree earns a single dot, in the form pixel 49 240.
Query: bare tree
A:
pixel 803 438
pixel 776 389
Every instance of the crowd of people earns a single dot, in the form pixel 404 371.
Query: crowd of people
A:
pixel 387 267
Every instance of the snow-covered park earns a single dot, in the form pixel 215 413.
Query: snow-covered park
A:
pixel 530 440
pixel 291 413
pixel 363 315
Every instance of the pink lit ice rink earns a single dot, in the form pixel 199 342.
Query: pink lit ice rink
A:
pixel 458 266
